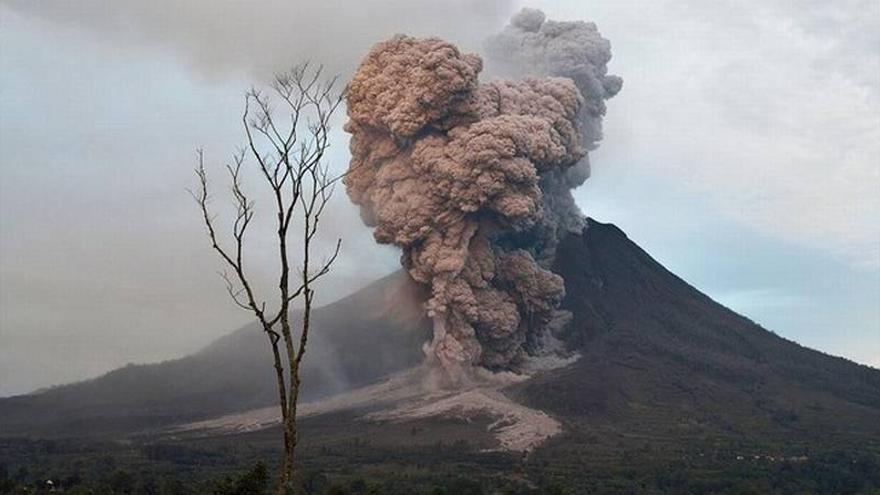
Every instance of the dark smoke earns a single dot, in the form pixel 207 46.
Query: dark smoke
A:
pixel 472 180
pixel 533 46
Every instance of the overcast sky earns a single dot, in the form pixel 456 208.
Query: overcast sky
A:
pixel 743 153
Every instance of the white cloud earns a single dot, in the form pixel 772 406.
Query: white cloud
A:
pixel 770 109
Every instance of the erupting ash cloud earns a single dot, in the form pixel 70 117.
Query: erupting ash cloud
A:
pixel 472 180
pixel 533 46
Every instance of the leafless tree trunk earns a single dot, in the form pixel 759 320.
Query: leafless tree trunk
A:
pixel 290 158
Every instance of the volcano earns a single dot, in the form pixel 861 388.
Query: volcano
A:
pixel 665 375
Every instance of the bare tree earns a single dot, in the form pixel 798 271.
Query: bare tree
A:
pixel 290 158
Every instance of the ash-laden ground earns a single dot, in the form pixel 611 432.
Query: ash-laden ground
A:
pixel 403 397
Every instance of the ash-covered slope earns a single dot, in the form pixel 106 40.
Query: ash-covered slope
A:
pixel 353 341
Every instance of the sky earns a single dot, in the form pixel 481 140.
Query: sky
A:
pixel 743 153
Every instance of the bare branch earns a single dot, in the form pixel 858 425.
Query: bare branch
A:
pixel 201 197
pixel 291 163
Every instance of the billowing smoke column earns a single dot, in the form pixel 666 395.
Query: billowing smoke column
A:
pixel 455 173
pixel 533 46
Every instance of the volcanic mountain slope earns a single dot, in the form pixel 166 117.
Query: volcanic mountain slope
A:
pixel 662 366
pixel 672 393
pixel 353 341
pixel 667 371
pixel 635 319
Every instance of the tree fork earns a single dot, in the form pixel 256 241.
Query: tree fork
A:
pixel 293 168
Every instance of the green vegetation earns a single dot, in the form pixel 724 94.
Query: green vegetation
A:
pixel 215 466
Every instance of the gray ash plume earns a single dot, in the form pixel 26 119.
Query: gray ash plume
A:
pixel 472 181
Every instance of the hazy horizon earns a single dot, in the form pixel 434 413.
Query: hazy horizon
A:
pixel 744 155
